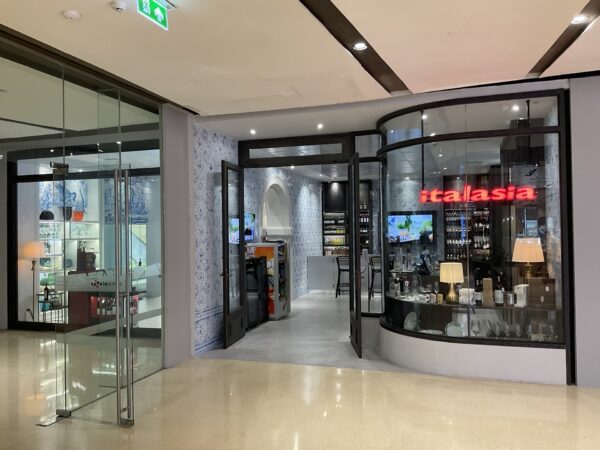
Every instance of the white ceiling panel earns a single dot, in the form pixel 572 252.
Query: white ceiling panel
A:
pixel 219 56
pixel 434 44
pixel 582 56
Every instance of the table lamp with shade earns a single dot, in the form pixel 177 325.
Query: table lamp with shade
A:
pixel 451 272
pixel 528 250
pixel 33 250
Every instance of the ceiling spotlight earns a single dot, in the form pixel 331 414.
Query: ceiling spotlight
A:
pixel 424 116
pixel 445 168
pixel 580 19
pixel 360 46
pixel 118 142
pixel 292 167
pixel 407 178
pixel 252 131
pixel 71 14
pixel 319 126
pixel 51 150
pixel 441 155
pixel 432 134
pixel 391 131
pixel 80 170
pixel 515 108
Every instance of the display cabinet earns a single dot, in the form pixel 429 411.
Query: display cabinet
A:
pixel 474 222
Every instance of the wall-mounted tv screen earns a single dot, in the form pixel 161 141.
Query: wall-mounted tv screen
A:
pixel 249 220
pixel 411 227
pixel 234 230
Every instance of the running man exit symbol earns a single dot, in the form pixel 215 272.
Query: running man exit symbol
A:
pixel 154 11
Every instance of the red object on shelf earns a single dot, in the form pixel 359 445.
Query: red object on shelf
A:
pixel 93 305
pixel 77 216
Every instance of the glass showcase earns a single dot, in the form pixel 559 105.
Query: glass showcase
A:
pixel 84 222
pixel 474 222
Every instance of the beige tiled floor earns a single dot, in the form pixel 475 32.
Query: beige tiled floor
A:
pixel 214 404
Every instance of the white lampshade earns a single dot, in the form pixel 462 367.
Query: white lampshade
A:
pixel 451 272
pixel 33 250
pixel 528 250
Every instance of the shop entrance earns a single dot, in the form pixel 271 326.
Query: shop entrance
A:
pixel 316 228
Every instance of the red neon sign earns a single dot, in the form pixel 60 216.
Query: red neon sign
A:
pixel 469 194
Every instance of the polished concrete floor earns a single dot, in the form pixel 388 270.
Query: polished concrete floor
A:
pixel 315 332
pixel 229 404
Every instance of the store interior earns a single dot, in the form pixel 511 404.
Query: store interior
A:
pixel 470 248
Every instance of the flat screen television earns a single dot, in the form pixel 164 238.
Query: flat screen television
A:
pixel 411 227
pixel 249 220
pixel 234 230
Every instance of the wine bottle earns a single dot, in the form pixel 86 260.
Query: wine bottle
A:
pixel 499 291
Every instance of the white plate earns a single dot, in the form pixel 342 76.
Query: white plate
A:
pixel 434 332
pixel 410 323
pixel 454 329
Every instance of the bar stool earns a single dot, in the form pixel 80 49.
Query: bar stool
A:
pixel 375 267
pixel 343 265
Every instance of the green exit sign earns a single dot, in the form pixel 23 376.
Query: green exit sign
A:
pixel 154 11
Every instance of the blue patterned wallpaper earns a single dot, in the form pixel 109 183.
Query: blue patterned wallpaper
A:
pixel 305 199
pixel 209 148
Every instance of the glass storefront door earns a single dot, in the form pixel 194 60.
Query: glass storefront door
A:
pixel 84 260
pixel 92 221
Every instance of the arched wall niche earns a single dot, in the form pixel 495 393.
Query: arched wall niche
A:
pixel 276 212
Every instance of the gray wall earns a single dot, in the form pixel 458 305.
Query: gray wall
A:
pixel 177 268
pixel 209 148
pixel 306 207
pixel 585 123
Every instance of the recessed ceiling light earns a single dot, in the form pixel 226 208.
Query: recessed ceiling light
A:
pixel 515 108
pixel 252 131
pixel 441 155
pixel 360 46
pixel 292 167
pixel 432 134
pixel 80 170
pixel 445 168
pixel 407 178
pixel 424 116
pixel 579 19
pixel 391 131
pixel 320 174
pixel 71 14
pixel 319 126
pixel 119 142
pixel 51 150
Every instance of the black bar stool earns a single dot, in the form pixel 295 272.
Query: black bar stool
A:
pixel 343 265
pixel 375 267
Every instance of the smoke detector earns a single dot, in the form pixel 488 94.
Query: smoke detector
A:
pixel 119 6
pixel 71 14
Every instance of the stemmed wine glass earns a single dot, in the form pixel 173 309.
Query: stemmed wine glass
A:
pixel 475 329
pixel 436 289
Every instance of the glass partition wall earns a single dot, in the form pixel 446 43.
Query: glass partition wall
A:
pixel 85 230
pixel 474 221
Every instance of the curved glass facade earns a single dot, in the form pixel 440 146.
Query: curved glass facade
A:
pixel 473 221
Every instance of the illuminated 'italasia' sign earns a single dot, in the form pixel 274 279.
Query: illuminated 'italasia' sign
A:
pixel 470 194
